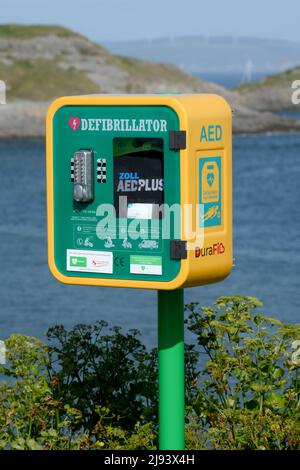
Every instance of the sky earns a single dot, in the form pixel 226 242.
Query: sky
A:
pixel 120 20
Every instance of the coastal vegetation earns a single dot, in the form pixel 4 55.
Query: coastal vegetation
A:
pixel 95 387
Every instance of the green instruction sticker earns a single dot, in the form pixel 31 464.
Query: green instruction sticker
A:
pixel 146 265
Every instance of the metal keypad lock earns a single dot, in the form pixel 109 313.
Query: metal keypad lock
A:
pixel 83 176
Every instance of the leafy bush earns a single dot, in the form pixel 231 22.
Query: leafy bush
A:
pixel 94 388
pixel 33 417
pixel 89 368
pixel 249 390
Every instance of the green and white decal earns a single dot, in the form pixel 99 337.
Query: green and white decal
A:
pixel 146 265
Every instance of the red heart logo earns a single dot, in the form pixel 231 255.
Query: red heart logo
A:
pixel 74 123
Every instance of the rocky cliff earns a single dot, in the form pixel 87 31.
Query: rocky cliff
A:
pixel 40 63
pixel 273 94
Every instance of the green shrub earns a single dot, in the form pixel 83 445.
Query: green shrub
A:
pixel 249 390
pixel 90 367
pixel 32 417
pixel 94 388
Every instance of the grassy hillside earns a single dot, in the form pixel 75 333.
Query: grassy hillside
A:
pixel 279 80
pixel 39 63
pixel 273 94
pixel 18 31
pixel 40 80
pixel 30 76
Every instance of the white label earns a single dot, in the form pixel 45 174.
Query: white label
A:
pixel 139 211
pixel 90 261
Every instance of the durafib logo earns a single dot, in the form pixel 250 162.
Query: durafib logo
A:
pixel 118 125
pixel 215 249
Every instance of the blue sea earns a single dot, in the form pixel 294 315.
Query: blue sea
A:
pixel 230 79
pixel 266 171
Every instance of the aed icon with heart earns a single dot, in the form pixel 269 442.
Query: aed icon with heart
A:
pixel 210 191
pixel 210 182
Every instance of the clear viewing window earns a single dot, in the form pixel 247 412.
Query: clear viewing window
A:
pixel 138 175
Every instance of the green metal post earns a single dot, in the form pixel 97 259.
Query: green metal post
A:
pixel 171 369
